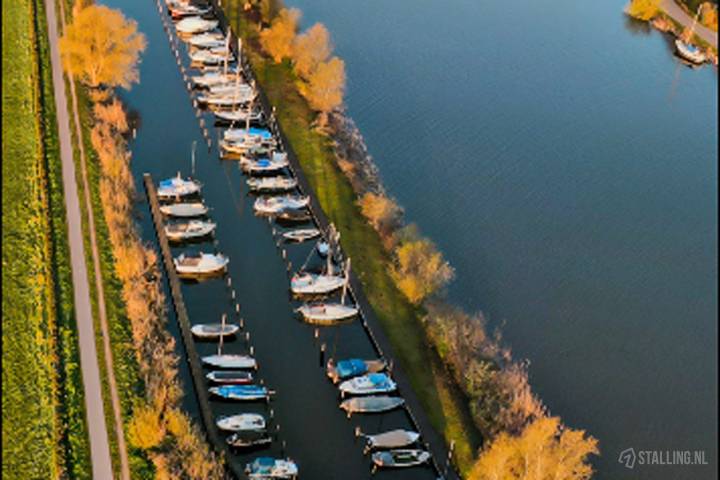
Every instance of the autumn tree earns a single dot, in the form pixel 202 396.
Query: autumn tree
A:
pixel 382 212
pixel 709 15
pixel 277 40
pixel 325 87
pixel 310 49
pixel 146 429
pixel 643 9
pixel 420 269
pixel 102 47
pixel 545 450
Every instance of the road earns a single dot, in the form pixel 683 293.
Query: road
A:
pixel 97 429
pixel 677 13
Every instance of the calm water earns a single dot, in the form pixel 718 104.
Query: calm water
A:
pixel 566 165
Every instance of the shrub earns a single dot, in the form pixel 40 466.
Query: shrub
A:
pixel 643 9
pixel 277 40
pixel 420 269
pixel 383 213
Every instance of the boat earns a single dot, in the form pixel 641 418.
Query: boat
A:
pixel 270 205
pixel 191 25
pixel 207 40
pixel 230 361
pixel 393 439
pixel 229 89
pixel 326 313
pixel 241 392
pixel 294 216
pixel 192 263
pixel 690 52
pixel 368 384
pixel 352 367
pixel 213 330
pixel 209 79
pixel 371 404
pixel 194 209
pixel 192 229
pixel 239 115
pixel 249 438
pixel 241 421
pixel 401 458
pixel 315 284
pixel 238 134
pixel 323 248
pixel 230 376
pixel 209 58
pixel 271 468
pixel 301 234
pixel 177 187
pixel 230 99
pixel 179 10
pixel 264 165
pixel 272 184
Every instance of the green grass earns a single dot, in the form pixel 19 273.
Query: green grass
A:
pixel 401 321
pixel 44 432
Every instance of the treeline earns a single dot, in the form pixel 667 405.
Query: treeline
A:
pixel 519 434
pixel 158 427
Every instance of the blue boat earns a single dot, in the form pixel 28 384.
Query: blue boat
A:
pixel 353 367
pixel 241 392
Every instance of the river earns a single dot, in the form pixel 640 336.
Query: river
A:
pixel 565 163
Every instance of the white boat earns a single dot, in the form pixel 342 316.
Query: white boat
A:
pixel 240 134
pixel 315 284
pixel 192 229
pixel 393 439
pixel 270 205
pixel 401 458
pixel 327 313
pixel 323 248
pixel 178 9
pixel 263 468
pixel 209 79
pixel 249 438
pixel 230 361
pixel 368 384
pixel 190 25
pixel 690 52
pixel 301 234
pixel 213 330
pixel 177 187
pixel 226 100
pixel 239 115
pixel 278 161
pixel 208 57
pixel 273 184
pixel 371 404
pixel 200 263
pixel 240 422
pixel 207 40
pixel 194 209
pixel 231 88
pixel 230 376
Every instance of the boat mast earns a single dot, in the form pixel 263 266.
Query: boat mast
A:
pixel 347 280
pixel 192 159
pixel 222 330
pixel 227 53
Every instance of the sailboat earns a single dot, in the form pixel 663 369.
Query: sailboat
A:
pixel 352 367
pixel 213 330
pixel 193 229
pixel 241 392
pixel 271 205
pixel 272 184
pixel 191 25
pixel 177 187
pixel 400 458
pixel 199 263
pixel 304 283
pixel 241 421
pixel 192 209
pixel 371 404
pixel 392 439
pixel 271 468
pixel 687 50
pixel 322 313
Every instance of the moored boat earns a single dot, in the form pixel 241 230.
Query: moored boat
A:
pixel 315 284
pixel 270 205
pixel 271 468
pixel 327 313
pixel 209 79
pixel 209 57
pixel 241 392
pixel 690 52
pixel 230 361
pixel 207 40
pixel 249 438
pixel 192 229
pixel 271 184
pixel 237 134
pixel 294 216
pixel 199 263
pixel 177 187
pixel 371 404
pixel 239 115
pixel 230 376
pixel 213 330
pixel 301 234
pixel 393 439
pixel 180 10
pixel 264 165
pixel 352 367
pixel 191 25
pixel 241 421
pixel 185 210
pixel 401 458
pixel 370 383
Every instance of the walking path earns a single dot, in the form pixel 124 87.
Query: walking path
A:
pixel 97 429
pixel 679 15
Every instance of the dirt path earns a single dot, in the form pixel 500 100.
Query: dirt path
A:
pixel 677 13
pixel 99 446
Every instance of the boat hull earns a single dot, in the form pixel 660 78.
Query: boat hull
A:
pixel 241 422
pixel 230 361
pixel 371 404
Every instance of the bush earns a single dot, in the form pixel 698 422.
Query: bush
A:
pixel 420 269
pixel 383 213
pixel 277 40
pixel 643 9
pixel 311 49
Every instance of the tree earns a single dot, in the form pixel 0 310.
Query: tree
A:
pixel 420 269
pixel 310 49
pixel 545 450
pixel 146 430
pixel 709 15
pixel 381 212
pixel 643 9
pixel 102 47
pixel 325 88
pixel 278 39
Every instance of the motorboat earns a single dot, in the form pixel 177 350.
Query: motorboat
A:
pixel 371 404
pixel 230 361
pixel 191 25
pixel 393 439
pixel 240 422
pixel 230 376
pixel 241 392
pixel 263 468
pixel 214 330
pixel 193 209
pixel 368 384
pixel 193 229
pixel 177 187
pixel 352 367
pixel 199 263
pixel 327 313
pixel 271 205
pixel 301 234
pixel 315 284
pixel 249 438
pixel 690 52
pixel 272 184
pixel 401 458
pixel 264 165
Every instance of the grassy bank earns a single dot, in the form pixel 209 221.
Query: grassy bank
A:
pixel 44 432
pixel 401 321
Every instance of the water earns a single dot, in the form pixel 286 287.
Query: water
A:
pixel 565 163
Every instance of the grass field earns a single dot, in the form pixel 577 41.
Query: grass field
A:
pixel 401 321
pixel 44 432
